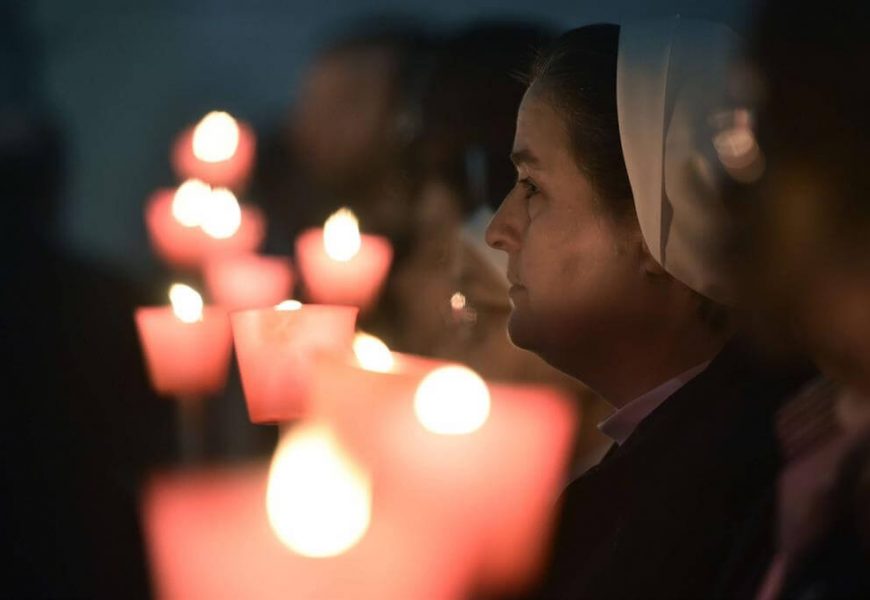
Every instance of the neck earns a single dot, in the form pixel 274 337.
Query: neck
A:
pixel 628 370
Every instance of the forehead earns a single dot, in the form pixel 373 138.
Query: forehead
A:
pixel 541 131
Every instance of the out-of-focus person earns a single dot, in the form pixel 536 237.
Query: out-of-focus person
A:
pixel 349 140
pixel 800 171
pixel 451 291
pixel 348 135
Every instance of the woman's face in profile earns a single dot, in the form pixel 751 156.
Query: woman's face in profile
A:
pixel 575 273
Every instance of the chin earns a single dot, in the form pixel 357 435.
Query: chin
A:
pixel 529 334
pixel 554 344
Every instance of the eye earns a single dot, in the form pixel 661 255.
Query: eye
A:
pixel 529 186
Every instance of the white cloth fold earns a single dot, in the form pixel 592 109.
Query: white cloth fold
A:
pixel 672 89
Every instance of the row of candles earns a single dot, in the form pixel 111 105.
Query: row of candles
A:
pixel 396 476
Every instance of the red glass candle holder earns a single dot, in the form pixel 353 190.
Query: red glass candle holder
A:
pixel 185 359
pixel 275 351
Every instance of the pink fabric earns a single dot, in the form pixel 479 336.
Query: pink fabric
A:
pixel 624 421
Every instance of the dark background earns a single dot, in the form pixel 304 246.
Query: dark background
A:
pixel 121 77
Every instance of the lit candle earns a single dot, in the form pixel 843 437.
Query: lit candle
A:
pixel 187 346
pixel 432 432
pixel 319 500
pixel 341 266
pixel 244 281
pixel 188 225
pixel 218 150
pixel 275 348
pixel 209 535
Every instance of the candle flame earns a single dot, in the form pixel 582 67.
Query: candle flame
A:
pixel 341 238
pixel 457 301
pixel 186 303
pixel 372 354
pixel 452 400
pixel 318 500
pixel 223 216
pixel 190 202
pixel 287 305
pixel 216 137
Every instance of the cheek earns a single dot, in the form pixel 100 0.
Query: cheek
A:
pixel 565 259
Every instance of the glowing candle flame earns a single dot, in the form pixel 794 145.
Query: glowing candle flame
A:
pixel 288 305
pixel 452 400
pixel 318 501
pixel 215 137
pixel 341 238
pixel 186 303
pixel 223 215
pixel 190 202
pixel 372 354
pixel 457 301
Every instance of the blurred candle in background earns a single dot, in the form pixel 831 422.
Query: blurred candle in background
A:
pixel 195 222
pixel 432 433
pixel 244 281
pixel 186 345
pixel 222 217
pixel 275 348
pixel 218 150
pixel 339 265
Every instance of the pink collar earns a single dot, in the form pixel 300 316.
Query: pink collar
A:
pixel 623 422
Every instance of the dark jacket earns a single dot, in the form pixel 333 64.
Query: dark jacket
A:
pixel 661 514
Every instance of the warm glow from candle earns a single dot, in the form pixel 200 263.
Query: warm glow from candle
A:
pixel 457 301
pixel 372 354
pixel 452 400
pixel 318 501
pixel 186 303
pixel 215 137
pixel 288 305
pixel 190 202
pixel 341 238
pixel 223 215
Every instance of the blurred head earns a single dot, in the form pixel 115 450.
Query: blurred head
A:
pixel 470 106
pixel 352 113
pixel 467 113
pixel 584 287
pixel 811 204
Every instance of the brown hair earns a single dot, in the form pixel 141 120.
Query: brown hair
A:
pixel 577 72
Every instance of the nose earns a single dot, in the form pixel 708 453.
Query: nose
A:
pixel 505 229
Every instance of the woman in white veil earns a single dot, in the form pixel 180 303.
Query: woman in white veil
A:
pixel 617 240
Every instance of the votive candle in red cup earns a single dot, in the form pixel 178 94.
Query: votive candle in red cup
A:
pixel 342 266
pixel 423 457
pixel 218 150
pixel 275 349
pixel 185 358
pixel 208 536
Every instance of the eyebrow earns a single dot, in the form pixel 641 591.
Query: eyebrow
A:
pixel 524 156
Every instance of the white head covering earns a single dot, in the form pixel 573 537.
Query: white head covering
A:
pixel 671 85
